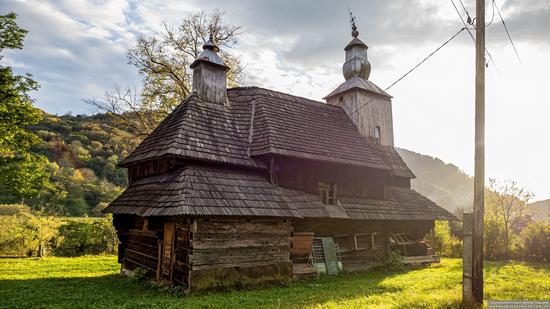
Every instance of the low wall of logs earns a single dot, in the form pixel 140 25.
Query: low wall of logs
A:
pixel 230 252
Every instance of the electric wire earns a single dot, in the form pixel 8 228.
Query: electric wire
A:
pixel 411 70
pixel 467 14
pixel 493 4
pixel 508 33
pixel 471 35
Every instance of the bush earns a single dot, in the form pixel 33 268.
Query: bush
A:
pixel 89 236
pixel 534 242
pixel 391 263
pixel 25 234
pixel 13 209
pixel 445 243
pixel 494 242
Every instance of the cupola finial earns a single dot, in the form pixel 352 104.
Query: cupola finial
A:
pixel 210 44
pixel 354 32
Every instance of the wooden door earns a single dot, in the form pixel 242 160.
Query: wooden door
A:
pixel 168 251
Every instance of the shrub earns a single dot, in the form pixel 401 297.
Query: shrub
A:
pixel 25 234
pixel 13 209
pixel 534 242
pixel 494 241
pixel 392 263
pixel 90 236
pixel 445 243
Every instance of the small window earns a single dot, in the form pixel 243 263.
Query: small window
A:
pixel 341 99
pixel 344 242
pixel 367 241
pixel 377 132
pixel 327 192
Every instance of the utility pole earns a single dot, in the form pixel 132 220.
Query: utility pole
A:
pixel 479 168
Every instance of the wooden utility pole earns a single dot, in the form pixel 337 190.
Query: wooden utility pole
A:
pixel 479 169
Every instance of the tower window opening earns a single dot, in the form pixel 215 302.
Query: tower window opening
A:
pixel 377 132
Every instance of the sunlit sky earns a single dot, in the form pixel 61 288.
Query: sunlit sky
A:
pixel 77 50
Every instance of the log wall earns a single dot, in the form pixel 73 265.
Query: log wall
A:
pixel 138 242
pixel 229 252
pixel 353 237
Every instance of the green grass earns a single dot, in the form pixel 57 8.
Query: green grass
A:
pixel 93 281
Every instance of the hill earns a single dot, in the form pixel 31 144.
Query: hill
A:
pixel 441 182
pixel 540 210
pixel 83 151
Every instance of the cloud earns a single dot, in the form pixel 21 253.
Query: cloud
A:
pixel 74 50
pixel 83 43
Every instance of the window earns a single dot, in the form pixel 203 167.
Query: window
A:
pixel 344 242
pixel 327 191
pixel 367 241
pixel 377 132
pixel 341 99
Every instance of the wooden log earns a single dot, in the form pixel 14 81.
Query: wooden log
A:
pixel 207 259
pixel 240 243
pixel 242 227
pixel 234 236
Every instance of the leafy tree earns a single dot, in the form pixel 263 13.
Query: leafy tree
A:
pixel 163 62
pixel 22 173
pixel 507 206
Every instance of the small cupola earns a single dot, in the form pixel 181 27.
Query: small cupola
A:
pixel 357 64
pixel 209 74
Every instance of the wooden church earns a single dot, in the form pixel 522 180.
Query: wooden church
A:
pixel 246 185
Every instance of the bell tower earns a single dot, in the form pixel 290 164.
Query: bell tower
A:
pixel 365 103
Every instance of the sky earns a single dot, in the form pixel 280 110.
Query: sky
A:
pixel 77 50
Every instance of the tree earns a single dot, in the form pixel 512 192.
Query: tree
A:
pixel 507 206
pixel 22 173
pixel 535 242
pixel 163 62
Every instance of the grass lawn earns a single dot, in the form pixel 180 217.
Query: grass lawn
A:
pixel 93 281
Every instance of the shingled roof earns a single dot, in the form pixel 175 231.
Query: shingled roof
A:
pixel 297 127
pixel 401 204
pixel 202 190
pixel 394 161
pixel 197 130
pixel 257 122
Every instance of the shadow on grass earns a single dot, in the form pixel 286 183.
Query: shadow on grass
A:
pixel 117 291
pixel 103 291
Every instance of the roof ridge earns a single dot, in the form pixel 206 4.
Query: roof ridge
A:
pixel 282 95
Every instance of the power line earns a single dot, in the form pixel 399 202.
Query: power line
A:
pixel 413 68
pixel 507 33
pixel 470 32
pixel 467 14
pixel 462 19
pixel 493 13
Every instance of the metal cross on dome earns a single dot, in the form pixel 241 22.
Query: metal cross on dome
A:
pixel 354 31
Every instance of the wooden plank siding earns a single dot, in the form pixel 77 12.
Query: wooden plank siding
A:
pixel 230 252
pixel 141 251
pixel 305 175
